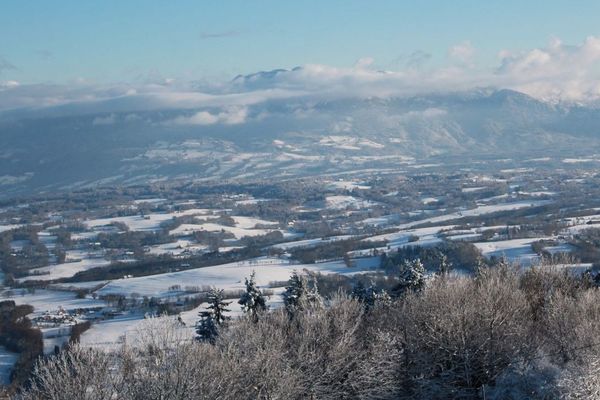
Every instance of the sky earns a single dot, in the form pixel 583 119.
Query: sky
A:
pixel 532 46
pixel 108 41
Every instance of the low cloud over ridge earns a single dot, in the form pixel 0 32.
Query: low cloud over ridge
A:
pixel 557 73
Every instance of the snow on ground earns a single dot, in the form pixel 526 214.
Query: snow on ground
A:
pixel 55 336
pixel 537 193
pixel 150 201
pixel 561 248
pixel 494 198
pixel 250 201
pixel 109 333
pixel 579 224
pixel 347 185
pixel 473 189
pixel 516 250
pixel 251 223
pixel 273 301
pixel 178 247
pixel 411 237
pixel 186 229
pixel 381 221
pixel 340 142
pixel 310 242
pixel 576 229
pixel 47 239
pixel 465 236
pixel 478 211
pixel 51 300
pixel 77 261
pixel 227 276
pixel 4 228
pixel 342 202
pixel 429 200
pixel 149 222
pixel 86 236
pixel 244 226
pixel 474 212
pixel 577 160
pixel 7 361
pixel 213 227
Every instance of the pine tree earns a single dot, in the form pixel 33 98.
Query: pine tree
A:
pixel 218 306
pixel 412 277
pixel 376 297
pixel 253 302
pixel 359 292
pixel 299 294
pixel 369 296
pixel 293 293
pixel 206 328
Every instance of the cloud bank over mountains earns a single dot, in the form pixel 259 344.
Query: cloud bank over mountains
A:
pixel 556 73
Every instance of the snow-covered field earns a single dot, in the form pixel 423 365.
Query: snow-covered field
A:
pixel 178 247
pixel 4 228
pixel 226 276
pixel 244 226
pixel 348 185
pixel 310 242
pixel 77 261
pixel 51 300
pixel 111 333
pixel 481 209
pixel 149 222
pixel 411 237
pixel 516 250
pixel 239 233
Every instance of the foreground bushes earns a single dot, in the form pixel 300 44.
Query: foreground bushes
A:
pixel 499 335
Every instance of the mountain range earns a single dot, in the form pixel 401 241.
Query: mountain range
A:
pixel 56 148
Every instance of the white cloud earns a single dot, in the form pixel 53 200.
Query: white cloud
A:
pixel 9 84
pixel 230 116
pixel 364 62
pixel 463 51
pixel 557 72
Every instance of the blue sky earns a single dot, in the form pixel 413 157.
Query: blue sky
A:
pixel 132 41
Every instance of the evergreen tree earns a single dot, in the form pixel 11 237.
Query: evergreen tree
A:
pixel 359 292
pixel 412 277
pixel 369 296
pixel 206 328
pixel 299 294
pixel 218 307
pixel 253 302
pixel 293 293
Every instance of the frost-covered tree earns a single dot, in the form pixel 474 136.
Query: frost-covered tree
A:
pixel 218 306
pixel 445 266
pixel 412 277
pixel 253 302
pixel 206 328
pixel 293 292
pixel 299 294
pixel 211 319
pixel 369 296
pixel 359 292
